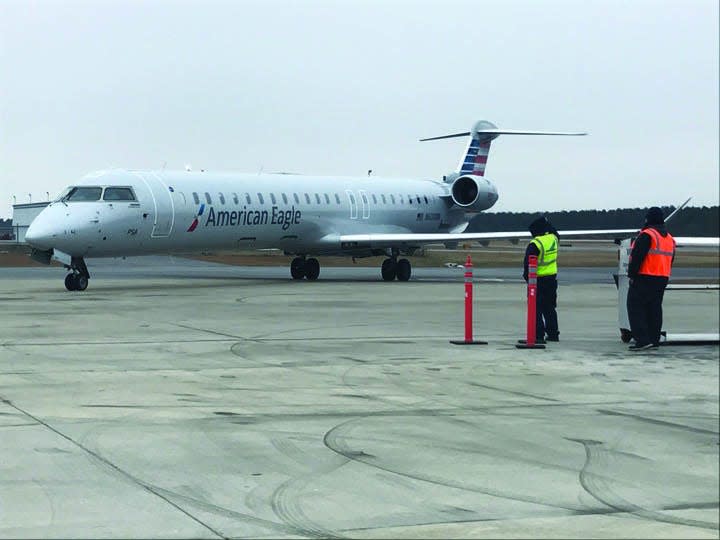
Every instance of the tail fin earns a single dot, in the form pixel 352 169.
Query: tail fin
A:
pixel 483 132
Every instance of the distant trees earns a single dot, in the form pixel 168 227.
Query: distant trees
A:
pixel 690 221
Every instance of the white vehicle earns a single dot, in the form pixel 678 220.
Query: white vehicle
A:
pixel 132 212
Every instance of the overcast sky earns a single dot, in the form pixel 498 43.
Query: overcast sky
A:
pixel 339 87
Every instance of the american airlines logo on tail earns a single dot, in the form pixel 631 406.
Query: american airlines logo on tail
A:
pixel 476 157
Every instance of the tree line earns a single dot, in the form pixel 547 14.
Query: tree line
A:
pixel 690 221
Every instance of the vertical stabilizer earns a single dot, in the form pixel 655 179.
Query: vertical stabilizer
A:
pixel 476 155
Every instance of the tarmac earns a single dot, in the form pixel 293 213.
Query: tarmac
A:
pixel 178 399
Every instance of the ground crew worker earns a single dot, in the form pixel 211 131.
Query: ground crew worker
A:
pixel 651 257
pixel 544 246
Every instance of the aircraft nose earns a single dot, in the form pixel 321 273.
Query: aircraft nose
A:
pixel 39 235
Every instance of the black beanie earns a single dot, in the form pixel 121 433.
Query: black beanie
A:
pixel 539 226
pixel 654 216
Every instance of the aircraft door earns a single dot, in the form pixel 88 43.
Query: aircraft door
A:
pixel 164 215
pixel 365 204
pixel 353 204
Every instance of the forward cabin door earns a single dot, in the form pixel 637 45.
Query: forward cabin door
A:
pixel 164 215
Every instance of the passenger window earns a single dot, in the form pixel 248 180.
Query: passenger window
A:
pixel 235 198
pixel 196 198
pixel 272 198
pixel 118 194
pixel 222 198
pixel 284 198
pixel 260 198
pixel 417 197
pixel 84 194
pixel 297 199
pixel 207 198
pixel 374 198
pixel 317 198
pixel 307 198
pixel 392 199
pixel 337 198
pixel 384 200
pixel 426 199
pixel 248 199
pixel 327 199
pixel 409 199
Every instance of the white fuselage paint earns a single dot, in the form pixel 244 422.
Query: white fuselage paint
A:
pixel 298 214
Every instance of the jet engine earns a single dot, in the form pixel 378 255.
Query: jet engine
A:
pixel 473 193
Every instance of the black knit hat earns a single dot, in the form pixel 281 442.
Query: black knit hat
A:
pixel 654 216
pixel 539 226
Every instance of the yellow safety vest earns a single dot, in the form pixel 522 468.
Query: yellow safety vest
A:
pixel 547 245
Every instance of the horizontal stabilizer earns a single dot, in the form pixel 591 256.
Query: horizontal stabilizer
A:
pixel 497 132
pixel 474 159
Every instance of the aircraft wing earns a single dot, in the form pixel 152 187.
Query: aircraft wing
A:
pixel 697 241
pixel 381 240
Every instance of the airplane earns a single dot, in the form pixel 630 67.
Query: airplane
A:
pixel 117 213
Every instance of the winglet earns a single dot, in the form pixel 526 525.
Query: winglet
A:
pixel 677 209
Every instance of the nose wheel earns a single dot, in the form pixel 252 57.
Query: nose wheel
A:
pixel 76 282
pixel 78 278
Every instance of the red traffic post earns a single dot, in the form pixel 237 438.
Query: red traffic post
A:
pixel 468 308
pixel 530 341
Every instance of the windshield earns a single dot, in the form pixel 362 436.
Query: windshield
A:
pixel 118 194
pixel 82 194
pixel 63 194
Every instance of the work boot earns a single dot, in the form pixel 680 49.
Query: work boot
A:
pixel 640 347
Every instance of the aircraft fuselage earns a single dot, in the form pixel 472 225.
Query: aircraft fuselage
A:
pixel 179 211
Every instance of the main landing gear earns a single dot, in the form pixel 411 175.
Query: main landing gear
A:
pixel 300 268
pixel 392 268
pixel 396 268
pixel 78 278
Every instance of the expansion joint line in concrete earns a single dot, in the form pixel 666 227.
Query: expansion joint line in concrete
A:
pixel 112 466
pixel 223 334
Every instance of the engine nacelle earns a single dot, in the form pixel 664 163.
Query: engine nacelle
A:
pixel 473 193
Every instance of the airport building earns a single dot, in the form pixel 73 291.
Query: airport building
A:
pixel 23 215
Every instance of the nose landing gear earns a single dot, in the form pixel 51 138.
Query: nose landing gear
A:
pixel 78 278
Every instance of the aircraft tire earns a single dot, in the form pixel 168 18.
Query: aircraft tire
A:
pixel 81 283
pixel 404 270
pixel 297 268
pixel 70 282
pixel 312 269
pixel 388 270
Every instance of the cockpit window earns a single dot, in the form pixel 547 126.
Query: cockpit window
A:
pixel 118 194
pixel 83 194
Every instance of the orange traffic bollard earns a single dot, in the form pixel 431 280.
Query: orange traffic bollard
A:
pixel 530 341
pixel 468 308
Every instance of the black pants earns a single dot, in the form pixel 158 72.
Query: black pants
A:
pixel 546 321
pixel 644 306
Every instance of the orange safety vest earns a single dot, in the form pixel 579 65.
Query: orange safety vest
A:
pixel 658 260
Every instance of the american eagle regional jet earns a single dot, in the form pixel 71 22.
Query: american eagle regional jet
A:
pixel 137 212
